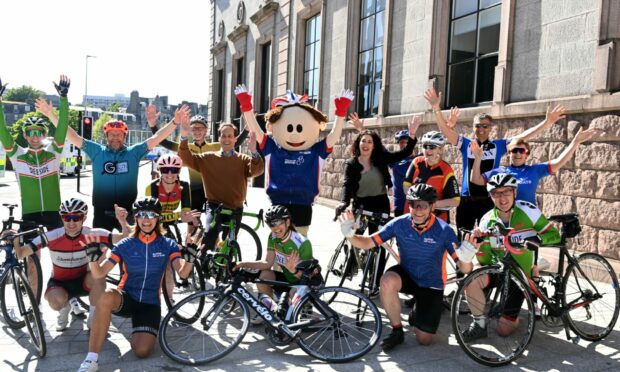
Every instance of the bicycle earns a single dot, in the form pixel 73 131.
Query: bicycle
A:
pixel 326 333
pixel 32 261
pixel 585 299
pixel 25 309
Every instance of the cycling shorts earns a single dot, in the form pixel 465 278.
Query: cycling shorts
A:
pixel 75 287
pixel 144 317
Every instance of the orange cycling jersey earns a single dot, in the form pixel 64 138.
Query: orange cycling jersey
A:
pixel 170 200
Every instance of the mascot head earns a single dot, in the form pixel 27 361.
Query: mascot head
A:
pixel 294 123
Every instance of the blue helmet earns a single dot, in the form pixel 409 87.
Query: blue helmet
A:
pixel 403 134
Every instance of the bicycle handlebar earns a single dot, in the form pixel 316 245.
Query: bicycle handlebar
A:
pixel 40 230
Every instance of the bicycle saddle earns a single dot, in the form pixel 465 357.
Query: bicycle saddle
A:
pixel 563 218
pixel 9 205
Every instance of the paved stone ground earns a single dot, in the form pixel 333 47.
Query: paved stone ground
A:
pixel 548 350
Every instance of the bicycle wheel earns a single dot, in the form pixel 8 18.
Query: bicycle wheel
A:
pixel 29 309
pixel 115 275
pixel 592 297
pixel 183 288
pixel 509 317
pixel 338 268
pixel 219 329
pixel 336 335
pixel 36 277
pixel 8 302
pixel 251 248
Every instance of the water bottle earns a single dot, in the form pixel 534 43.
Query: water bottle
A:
pixel 268 302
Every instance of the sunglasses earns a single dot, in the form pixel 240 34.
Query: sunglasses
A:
pixel 484 126
pixel 275 223
pixel 518 150
pixel 35 132
pixel 72 217
pixel 420 205
pixel 170 170
pixel 146 214
pixel 430 147
pixel 497 194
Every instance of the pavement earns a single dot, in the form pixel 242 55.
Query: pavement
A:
pixel 549 350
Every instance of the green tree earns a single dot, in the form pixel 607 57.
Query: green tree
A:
pixel 98 135
pixel 25 93
pixel 18 134
pixel 115 107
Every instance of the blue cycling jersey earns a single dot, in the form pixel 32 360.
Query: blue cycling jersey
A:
pixel 528 177
pixel 115 173
pixel 399 171
pixel 422 254
pixel 144 263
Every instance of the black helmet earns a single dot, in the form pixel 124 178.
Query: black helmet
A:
pixel 147 204
pixel 502 180
pixel 276 213
pixel 422 191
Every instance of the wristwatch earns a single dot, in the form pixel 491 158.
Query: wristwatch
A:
pixel 183 138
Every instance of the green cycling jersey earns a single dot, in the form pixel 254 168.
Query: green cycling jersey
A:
pixel 284 248
pixel 37 170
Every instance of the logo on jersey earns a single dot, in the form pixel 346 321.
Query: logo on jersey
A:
pixel 299 161
pixel 115 167
pixel 158 255
pixel 38 171
pixel 430 241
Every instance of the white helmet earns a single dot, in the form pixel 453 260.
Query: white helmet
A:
pixel 169 161
pixel 502 180
pixel 433 138
pixel 73 205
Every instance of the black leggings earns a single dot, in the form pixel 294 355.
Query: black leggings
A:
pixel 377 203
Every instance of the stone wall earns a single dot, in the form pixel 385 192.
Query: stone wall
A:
pixel 589 184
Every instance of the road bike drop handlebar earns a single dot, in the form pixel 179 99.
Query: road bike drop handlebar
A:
pixel 499 230
pixel 40 230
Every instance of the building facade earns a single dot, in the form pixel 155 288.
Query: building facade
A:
pixel 508 58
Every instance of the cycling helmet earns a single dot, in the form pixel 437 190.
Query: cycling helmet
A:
pixel 34 122
pixel 169 161
pixel 73 205
pixel 276 213
pixel 198 119
pixel 400 135
pixel 433 138
pixel 147 204
pixel 115 125
pixel 422 191
pixel 502 180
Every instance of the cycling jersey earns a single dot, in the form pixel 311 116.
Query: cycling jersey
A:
pixel 423 253
pixel 528 177
pixel 493 152
pixel 292 177
pixel 399 171
pixel 69 260
pixel 37 170
pixel 440 176
pixel 170 201
pixel 528 221
pixel 115 173
pixel 144 263
pixel 284 248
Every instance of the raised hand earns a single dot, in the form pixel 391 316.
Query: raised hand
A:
pixel 151 114
pixel 476 150
pixel 63 86
pixel 584 135
pixel 468 248
pixel 92 244
pixel 432 97
pixel 44 107
pixel 182 114
pixel 357 123
pixel 343 101
pixel 293 260
pixel 454 117
pixel 252 142
pixel 555 114
pixel 244 97
pixel 347 224
pixel 2 88
pixel 120 213
pixel 414 124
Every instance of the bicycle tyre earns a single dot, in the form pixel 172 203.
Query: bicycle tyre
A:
pixel 367 332
pixel 196 283
pixel 12 318
pixel 494 350
pixel 339 266
pixel 174 336
pixel 32 316
pixel 114 278
pixel 247 241
pixel 39 273
pixel 593 321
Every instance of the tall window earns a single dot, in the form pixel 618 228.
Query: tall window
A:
pixel 219 112
pixel 239 79
pixel 312 58
pixel 474 44
pixel 370 60
pixel 265 74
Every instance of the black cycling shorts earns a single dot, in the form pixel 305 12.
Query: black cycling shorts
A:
pixel 428 301
pixel 144 317
pixel 301 215
pixel 74 287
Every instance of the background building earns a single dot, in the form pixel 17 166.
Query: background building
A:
pixel 507 58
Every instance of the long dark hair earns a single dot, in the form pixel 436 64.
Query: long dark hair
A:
pixel 378 149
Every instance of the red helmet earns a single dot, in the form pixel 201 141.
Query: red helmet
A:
pixel 115 125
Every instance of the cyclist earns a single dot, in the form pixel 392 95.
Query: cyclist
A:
pixel 475 201
pixel 285 248
pixel 429 168
pixel 531 224
pixel 145 255
pixel 70 277
pixel 115 165
pixel 225 177
pixel 528 176
pixel 423 241
pixel 399 170
pixel 199 130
